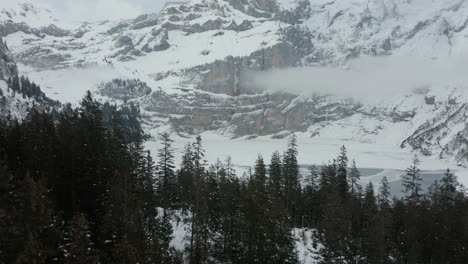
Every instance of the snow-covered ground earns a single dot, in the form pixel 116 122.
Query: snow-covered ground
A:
pixel 307 248
pixel 379 159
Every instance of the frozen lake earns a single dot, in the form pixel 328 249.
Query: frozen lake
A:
pixel 374 160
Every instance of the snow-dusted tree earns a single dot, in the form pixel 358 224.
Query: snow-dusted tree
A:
pixel 78 247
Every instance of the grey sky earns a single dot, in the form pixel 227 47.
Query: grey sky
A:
pixel 92 10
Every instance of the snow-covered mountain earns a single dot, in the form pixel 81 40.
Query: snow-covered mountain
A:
pixel 188 67
pixel 18 93
pixel 7 63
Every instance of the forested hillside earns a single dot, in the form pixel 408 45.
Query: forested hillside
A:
pixel 77 186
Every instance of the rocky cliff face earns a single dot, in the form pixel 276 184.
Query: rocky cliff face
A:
pixel 265 114
pixel 7 64
pixel 18 94
pixel 188 66
pixel 444 135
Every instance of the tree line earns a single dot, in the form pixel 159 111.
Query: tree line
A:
pixel 77 186
pixel 23 86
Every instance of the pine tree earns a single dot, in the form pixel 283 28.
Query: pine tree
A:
pixel 369 212
pixel 269 238
pixel 276 180
pixel 292 188
pixel 260 175
pixel 79 248
pixel 342 173
pixel 369 203
pixel 161 249
pixel 256 209
pixel 383 224
pixel 310 199
pixel 185 179
pixel 412 236
pixel 448 187
pixel 91 161
pixel 198 247
pixel 122 234
pixel 354 177
pixel 149 194
pixel 328 177
pixel 166 174
pixel 30 228
pixel 230 172
pixel 228 244
pixel 313 179
pixel 412 181
pixel 384 194
pixel 15 84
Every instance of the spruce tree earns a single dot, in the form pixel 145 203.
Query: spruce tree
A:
pixel 342 172
pixel 369 210
pixel 369 204
pixel 161 249
pixel 448 187
pixel 276 181
pixel 291 176
pixel 185 179
pixel 269 238
pixel 383 224
pixel 230 241
pixel 29 226
pixel 328 180
pixel 78 247
pixel 354 177
pixel 198 247
pixel 230 171
pixel 313 178
pixel 384 194
pixel 256 208
pixel 166 174
pixel 310 198
pixel 412 181
pixel 123 233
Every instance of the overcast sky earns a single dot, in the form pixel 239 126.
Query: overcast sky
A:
pixel 92 10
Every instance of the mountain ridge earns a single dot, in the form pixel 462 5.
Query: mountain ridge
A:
pixel 195 57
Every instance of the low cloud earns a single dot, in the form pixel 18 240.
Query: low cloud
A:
pixel 93 10
pixel 367 78
pixel 98 10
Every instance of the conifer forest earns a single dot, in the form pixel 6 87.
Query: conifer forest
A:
pixel 78 186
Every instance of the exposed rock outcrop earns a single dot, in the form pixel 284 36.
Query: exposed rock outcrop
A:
pixel 446 135
pixel 7 64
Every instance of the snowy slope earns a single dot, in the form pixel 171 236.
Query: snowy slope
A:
pixel 346 29
pixel 26 12
pixel 15 103
pixel 194 56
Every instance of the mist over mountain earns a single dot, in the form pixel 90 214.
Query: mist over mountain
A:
pixel 366 78
pixel 243 69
